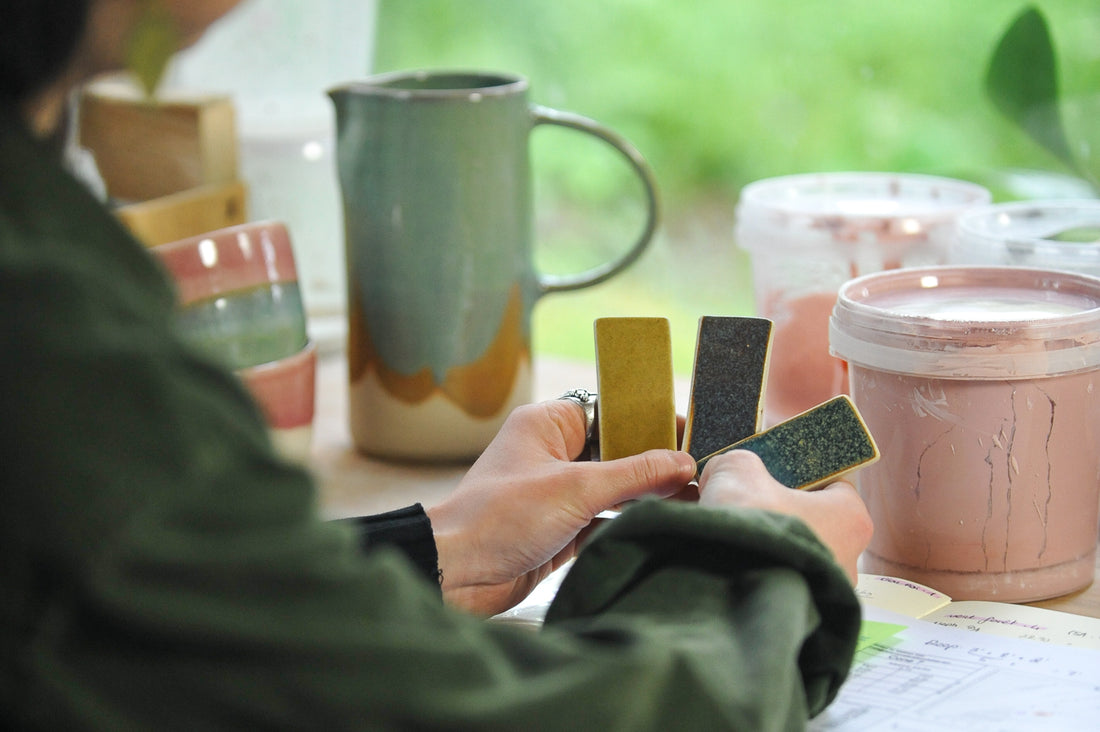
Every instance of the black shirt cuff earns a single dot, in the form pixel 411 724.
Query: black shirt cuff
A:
pixel 407 529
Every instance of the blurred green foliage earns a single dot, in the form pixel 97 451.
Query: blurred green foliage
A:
pixel 1022 82
pixel 718 93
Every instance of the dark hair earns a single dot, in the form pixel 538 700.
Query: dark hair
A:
pixel 37 38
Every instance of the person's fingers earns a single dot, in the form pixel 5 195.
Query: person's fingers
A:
pixel 840 519
pixel 841 493
pixel 689 493
pixel 836 513
pixel 738 476
pixel 554 429
pixel 654 472
pixel 569 418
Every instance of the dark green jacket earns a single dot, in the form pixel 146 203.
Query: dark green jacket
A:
pixel 160 569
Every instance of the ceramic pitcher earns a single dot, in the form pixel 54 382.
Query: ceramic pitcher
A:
pixel 436 184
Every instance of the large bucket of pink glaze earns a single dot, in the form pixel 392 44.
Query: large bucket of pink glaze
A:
pixel 981 386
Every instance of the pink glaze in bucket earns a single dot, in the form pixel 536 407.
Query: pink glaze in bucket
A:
pixel 979 385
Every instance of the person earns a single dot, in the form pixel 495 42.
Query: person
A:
pixel 162 568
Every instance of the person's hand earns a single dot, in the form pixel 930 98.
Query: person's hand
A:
pixel 524 508
pixel 836 513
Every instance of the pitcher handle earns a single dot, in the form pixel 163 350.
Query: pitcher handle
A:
pixel 596 275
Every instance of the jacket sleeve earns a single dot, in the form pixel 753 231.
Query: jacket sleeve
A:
pixel 770 618
pixel 675 618
pixel 176 574
pixel 162 569
pixel 165 570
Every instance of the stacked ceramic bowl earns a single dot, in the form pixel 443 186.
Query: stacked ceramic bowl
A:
pixel 240 303
pixel 1054 234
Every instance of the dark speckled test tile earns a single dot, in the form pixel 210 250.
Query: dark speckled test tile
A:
pixel 814 448
pixel 727 384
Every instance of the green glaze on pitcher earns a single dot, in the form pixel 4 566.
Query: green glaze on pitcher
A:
pixel 436 183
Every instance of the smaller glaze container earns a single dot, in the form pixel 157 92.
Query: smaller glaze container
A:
pixel 1049 234
pixel 979 385
pixel 809 234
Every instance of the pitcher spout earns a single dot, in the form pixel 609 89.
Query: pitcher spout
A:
pixel 339 96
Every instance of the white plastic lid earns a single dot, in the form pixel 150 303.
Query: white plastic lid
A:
pixel 904 204
pixel 969 322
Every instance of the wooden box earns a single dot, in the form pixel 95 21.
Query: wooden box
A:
pixel 147 149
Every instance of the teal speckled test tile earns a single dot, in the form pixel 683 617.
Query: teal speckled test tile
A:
pixel 814 448
pixel 727 384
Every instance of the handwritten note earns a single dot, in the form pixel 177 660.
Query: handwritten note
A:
pixel 899 595
pixel 996 618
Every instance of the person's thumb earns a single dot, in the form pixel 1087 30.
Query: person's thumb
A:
pixel 654 472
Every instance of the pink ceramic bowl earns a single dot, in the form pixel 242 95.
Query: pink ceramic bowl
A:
pixel 239 299
pixel 228 260
pixel 284 390
pixel 239 302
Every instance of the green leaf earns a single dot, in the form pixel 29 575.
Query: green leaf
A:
pixel 152 43
pixel 1022 81
pixel 1079 234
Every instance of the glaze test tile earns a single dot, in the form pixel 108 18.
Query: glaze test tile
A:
pixel 637 408
pixel 814 448
pixel 728 381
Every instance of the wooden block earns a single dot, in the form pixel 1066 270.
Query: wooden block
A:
pixel 727 383
pixel 146 149
pixel 190 213
pixel 637 403
pixel 814 448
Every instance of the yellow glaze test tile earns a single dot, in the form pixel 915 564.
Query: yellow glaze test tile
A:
pixel 637 403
